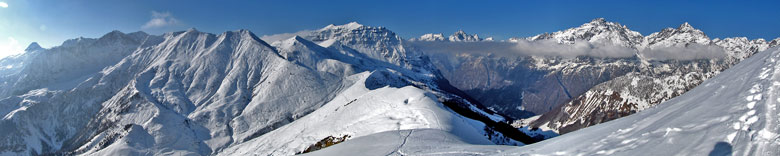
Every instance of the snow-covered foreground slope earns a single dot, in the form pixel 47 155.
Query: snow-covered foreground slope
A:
pixel 413 142
pixel 360 111
pixel 734 112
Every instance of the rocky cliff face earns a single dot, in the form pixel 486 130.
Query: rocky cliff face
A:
pixel 521 87
pixel 192 92
pixel 572 93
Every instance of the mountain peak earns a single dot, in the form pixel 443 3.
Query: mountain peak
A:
pixel 113 36
pixel 353 25
pixel 192 30
pixel 297 38
pixel 349 26
pixel 462 36
pixel 775 42
pixel 33 46
pixel 431 37
pixel 597 30
pixel 114 33
pixel 677 37
pixel 598 20
pixel 244 34
pixel 288 43
pixel 685 26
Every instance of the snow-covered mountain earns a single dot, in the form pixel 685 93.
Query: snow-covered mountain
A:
pixel 458 36
pixel 734 113
pixel 681 36
pixel 652 83
pixel 596 31
pixel 197 93
pixel 575 92
pixel 192 92
pixel 431 37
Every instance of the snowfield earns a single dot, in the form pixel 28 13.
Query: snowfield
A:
pixel 197 93
pixel 734 113
pixel 359 111
pixel 414 142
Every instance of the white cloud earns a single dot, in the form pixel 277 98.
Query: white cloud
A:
pixel 579 48
pixel 3 5
pixel 42 27
pixel 10 47
pixel 690 52
pixel 527 48
pixel 160 19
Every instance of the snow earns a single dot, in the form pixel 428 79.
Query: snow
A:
pixel 413 142
pixel 596 31
pixel 703 120
pixel 359 111
pixel 458 36
pixel 197 93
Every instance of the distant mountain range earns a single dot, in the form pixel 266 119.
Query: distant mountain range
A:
pixel 458 36
pixel 564 94
pixel 197 93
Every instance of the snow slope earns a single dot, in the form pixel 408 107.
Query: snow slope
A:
pixel 734 112
pixel 413 142
pixel 360 111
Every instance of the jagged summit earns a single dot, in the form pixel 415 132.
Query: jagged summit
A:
pixel 113 33
pixel 462 36
pixel 430 37
pixel 597 30
pixel 775 42
pixel 349 26
pixel 685 26
pixel 458 36
pixel 600 20
pixel 246 34
pixel 118 38
pixel 33 46
pixel 676 37
pixel 294 41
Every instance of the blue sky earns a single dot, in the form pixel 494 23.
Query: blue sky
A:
pixel 51 22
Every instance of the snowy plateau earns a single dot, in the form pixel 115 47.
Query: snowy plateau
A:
pixel 362 90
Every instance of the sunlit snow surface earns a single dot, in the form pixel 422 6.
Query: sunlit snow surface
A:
pixel 732 113
pixel 359 111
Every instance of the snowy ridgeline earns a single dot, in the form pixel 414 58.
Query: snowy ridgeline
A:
pixel 734 113
pixel 232 93
pixel 198 93
pixel 586 75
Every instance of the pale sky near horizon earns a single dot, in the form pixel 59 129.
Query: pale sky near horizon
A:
pixel 52 22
